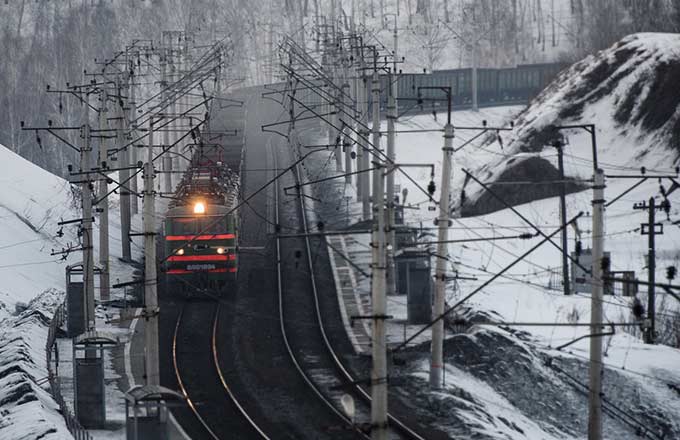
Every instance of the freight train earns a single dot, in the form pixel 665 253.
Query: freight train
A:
pixel 502 86
pixel 200 233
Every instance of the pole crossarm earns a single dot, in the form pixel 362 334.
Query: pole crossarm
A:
pixel 368 148
pixel 525 236
pixel 536 228
pixel 166 149
pixel 485 284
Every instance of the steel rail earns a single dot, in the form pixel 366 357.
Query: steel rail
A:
pixel 400 426
pixel 223 381
pixel 297 364
pixel 226 387
pixel 178 375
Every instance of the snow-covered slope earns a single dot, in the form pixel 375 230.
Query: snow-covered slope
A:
pixel 32 202
pixel 528 381
pixel 27 409
pixel 628 91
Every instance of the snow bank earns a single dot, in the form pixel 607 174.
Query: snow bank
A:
pixel 493 372
pixel 32 201
pixel 28 411
pixel 628 91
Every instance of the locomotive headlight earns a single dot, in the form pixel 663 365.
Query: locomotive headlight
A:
pixel 220 250
pixel 180 251
pixel 199 208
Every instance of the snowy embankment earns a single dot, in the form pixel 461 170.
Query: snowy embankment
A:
pixel 32 202
pixel 513 381
pixel 27 409
pixel 628 91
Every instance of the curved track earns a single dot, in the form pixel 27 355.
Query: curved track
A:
pixel 260 364
pixel 190 339
pixel 320 394
pixel 398 429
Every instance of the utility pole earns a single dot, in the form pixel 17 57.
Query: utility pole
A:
pixel 150 281
pixel 362 148
pixel 326 104
pixel 88 242
pixel 391 160
pixel 176 125
pixel 132 152
pixel 375 134
pixel 392 113
pixel 437 364
pixel 650 229
pixel 123 174
pixel 651 276
pixel 334 137
pixel 379 298
pixel 270 48
pixel 186 100
pixel 104 280
pixel 345 136
pixel 358 115
pixel 563 218
pixel 395 72
pixel 595 367
pixel 167 158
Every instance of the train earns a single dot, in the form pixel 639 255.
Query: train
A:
pixel 503 86
pixel 495 86
pixel 201 227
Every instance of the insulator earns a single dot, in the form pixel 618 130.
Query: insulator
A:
pixel 671 272
pixel 638 309
pixel 606 262
pixel 431 188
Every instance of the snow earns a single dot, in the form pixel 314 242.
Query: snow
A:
pixel 490 413
pixel 531 291
pixel 28 411
pixel 579 96
pixel 32 202
pixel 114 397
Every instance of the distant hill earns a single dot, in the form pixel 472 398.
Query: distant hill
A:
pixel 629 91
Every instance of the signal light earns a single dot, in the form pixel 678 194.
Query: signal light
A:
pixel 199 208
pixel 220 250
pixel 180 251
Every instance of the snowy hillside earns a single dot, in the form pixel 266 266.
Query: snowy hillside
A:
pixel 628 91
pixel 32 202
pixel 527 381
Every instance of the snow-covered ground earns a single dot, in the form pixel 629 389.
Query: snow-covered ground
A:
pixel 642 379
pixel 32 202
pixel 27 409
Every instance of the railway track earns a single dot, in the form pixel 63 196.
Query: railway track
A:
pixel 316 370
pixel 345 419
pixel 202 370
pixel 196 339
